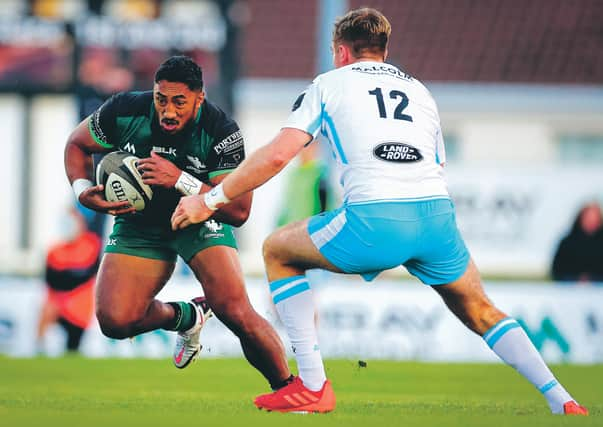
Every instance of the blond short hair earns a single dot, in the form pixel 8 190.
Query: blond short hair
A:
pixel 364 30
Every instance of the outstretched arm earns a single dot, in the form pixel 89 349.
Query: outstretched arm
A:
pixel 258 168
pixel 265 163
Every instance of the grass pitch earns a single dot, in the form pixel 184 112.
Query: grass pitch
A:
pixel 74 391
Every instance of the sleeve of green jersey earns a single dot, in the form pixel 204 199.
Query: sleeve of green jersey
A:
pixel 102 124
pixel 227 150
pixel 96 135
pixel 219 172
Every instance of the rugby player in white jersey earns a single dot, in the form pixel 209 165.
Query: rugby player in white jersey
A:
pixel 384 132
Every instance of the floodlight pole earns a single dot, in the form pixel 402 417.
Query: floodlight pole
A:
pixel 328 11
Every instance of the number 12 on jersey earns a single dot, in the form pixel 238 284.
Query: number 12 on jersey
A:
pixel 398 115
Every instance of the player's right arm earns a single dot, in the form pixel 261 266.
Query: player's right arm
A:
pixel 78 166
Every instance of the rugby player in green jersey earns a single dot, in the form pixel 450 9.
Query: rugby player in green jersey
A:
pixel 186 145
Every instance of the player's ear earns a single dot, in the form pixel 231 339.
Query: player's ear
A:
pixel 340 52
pixel 345 54
pixel 200 98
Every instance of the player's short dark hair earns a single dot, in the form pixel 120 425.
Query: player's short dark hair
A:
pixel 364 30
pixel 181 69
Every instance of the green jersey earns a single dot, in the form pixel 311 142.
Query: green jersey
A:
pixel 208 146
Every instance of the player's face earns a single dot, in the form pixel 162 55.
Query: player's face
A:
pixel 175 104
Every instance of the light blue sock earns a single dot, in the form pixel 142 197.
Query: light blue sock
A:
pixel 294 303
pixel 510 342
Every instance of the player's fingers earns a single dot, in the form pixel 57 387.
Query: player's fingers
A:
pixel 118 205
pixel 148 175
pixel 121 210
pixel 96 189
pixel 175 216
pixel 176 220
pixel 114 206
pixel 146 167
pixel 128 210
pixel 140 164
pixel 149 178
pixel 184 224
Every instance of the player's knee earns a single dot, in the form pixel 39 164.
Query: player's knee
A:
pixel 114 326
pixel 114 331
pixel 267 249
pixel 271 249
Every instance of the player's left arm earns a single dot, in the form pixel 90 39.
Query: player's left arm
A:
pixel 266 162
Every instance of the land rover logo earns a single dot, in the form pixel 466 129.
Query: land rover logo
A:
pixel 397 152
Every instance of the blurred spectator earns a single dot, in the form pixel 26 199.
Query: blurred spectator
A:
pixel 71 267
pixel 306 188
pixel 579 256
pixel 100 76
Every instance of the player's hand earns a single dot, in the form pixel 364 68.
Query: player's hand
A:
pixel 156 170
pixel 94 198
pixel 190 210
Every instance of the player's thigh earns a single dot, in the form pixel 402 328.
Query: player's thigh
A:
pixel 465 289
pixel 218 270
pixel 466 298
pixel 210 250
pixel 292 245
pixel 128 283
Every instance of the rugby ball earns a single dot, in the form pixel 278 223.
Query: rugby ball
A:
pixel 117 172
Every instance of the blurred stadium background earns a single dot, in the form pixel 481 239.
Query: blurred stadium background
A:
pixel 519 84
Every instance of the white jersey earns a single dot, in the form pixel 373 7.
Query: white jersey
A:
pixel 383 128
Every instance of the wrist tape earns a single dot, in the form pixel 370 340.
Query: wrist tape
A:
pixel 80 185
pixel 215 197
pixel 187 184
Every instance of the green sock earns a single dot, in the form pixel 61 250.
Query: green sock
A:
pixel 185 316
